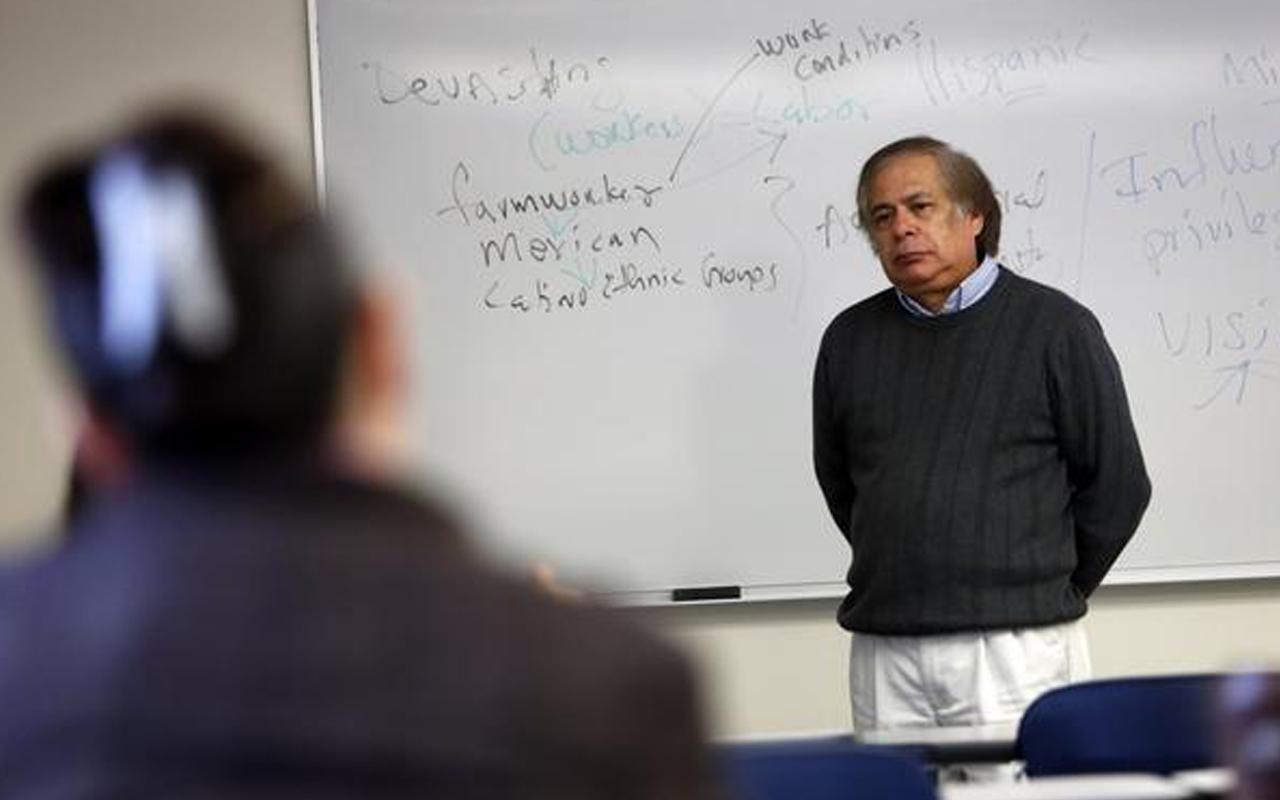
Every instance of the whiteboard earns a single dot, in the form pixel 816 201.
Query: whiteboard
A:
pixel 619 231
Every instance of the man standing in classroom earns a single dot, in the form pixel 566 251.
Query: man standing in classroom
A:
pixel 974 444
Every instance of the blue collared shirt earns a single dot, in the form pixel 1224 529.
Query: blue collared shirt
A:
pixel 970 291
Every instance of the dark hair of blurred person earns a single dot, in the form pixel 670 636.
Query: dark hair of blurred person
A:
pixel 247 607
pixel 200 301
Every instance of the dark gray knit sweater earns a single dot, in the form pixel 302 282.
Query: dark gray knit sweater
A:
pixel 983 465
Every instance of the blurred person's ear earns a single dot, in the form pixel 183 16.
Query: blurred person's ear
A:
pixel 370 430
pixel 543 577
pixel 102 458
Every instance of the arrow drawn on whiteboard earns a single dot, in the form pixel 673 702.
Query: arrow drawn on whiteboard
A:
pixel 775 141
pixel 579 272
pixel 1238 374
pixel 557 224
pixel 787 184
pixel 706 113
pixel 778 140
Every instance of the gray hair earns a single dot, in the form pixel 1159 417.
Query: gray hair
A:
pixel 966 184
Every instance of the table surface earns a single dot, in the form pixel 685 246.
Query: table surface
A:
pixel 961 744
pixel 1073 787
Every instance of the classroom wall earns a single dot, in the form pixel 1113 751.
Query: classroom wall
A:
pixel 69 66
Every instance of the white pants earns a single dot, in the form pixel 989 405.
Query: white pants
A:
pixel 985 678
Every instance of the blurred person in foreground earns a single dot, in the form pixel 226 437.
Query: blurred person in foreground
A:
pixel 244 605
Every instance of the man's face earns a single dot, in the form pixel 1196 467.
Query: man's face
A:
pixel 925 242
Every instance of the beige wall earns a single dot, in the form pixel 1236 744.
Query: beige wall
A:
pixel 67 66
pixel 781 667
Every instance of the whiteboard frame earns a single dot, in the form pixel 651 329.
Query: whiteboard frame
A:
pixel 317 109
pixel 1131 576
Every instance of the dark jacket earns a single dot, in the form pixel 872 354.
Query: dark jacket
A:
pixel 202 635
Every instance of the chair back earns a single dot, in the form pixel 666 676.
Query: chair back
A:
pixel 1160 724
pixel 829 768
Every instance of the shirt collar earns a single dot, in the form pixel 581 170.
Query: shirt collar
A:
pixel 970 291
